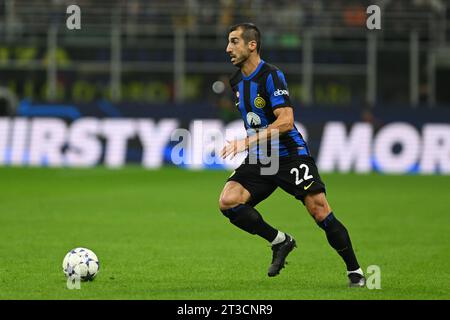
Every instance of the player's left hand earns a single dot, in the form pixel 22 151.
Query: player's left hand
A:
pixel 234 147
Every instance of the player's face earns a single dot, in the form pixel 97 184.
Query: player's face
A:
pixel 237 49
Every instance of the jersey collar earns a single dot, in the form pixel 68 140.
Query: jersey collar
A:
pixel 254 72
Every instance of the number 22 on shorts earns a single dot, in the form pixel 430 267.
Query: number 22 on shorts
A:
pixel 306 175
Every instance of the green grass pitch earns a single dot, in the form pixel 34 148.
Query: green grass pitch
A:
pixel 159 235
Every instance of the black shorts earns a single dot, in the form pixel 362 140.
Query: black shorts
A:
pixel 297 176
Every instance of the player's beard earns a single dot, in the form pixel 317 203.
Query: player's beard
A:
pixel 241 62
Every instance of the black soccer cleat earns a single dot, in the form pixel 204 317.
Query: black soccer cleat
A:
pixel 356 280
pixel 280 252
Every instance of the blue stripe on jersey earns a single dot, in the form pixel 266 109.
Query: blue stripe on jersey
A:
pixel 241 106
pixel 258 111
pixel 295 135
pixel 281 76
pixel 270 87
pixel 282 150
pixel 254 72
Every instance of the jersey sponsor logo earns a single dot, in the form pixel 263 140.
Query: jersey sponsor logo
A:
pixel 259 102
pixel 307 187
pixel 280 92
pixel 253 119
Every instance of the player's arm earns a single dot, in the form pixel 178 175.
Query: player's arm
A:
pixel 278 93
pixel 277 90
pixel 284 123
pixel 285 120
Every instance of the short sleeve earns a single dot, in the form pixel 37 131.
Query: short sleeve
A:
pixel 277 90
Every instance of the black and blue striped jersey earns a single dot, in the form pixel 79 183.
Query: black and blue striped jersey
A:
pixel 257 96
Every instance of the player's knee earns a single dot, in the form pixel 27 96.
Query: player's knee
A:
pixel 228 201
pixel 318 208
pixel 319 213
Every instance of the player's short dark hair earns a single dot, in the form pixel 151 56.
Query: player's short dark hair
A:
pixel 249 32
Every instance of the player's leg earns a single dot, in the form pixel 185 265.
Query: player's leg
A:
pixel 300 177
pixel 234 204
pixel 242 192
pixel 337 235
pixel 232 195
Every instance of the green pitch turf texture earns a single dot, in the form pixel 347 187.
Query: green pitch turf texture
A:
pixel 159 235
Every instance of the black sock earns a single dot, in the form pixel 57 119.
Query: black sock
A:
pixel 339 239
pixel 248 219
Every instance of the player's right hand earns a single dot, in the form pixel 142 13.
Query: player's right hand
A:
pixel 234 147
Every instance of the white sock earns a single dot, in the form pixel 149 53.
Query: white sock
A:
pixel 359 271
pixel 279 238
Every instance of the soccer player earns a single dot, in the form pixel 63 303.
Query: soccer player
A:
pixel 262 98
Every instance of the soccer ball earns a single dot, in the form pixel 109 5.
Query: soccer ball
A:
pixel 81 263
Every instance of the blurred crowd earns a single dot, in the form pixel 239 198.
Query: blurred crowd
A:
pixel 207 21
pixel 277 14
pixel 195 14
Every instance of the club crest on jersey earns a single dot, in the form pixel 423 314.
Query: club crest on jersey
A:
pixel 253 119
pixel 259 102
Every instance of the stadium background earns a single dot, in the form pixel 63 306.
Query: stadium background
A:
pixel 371 102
